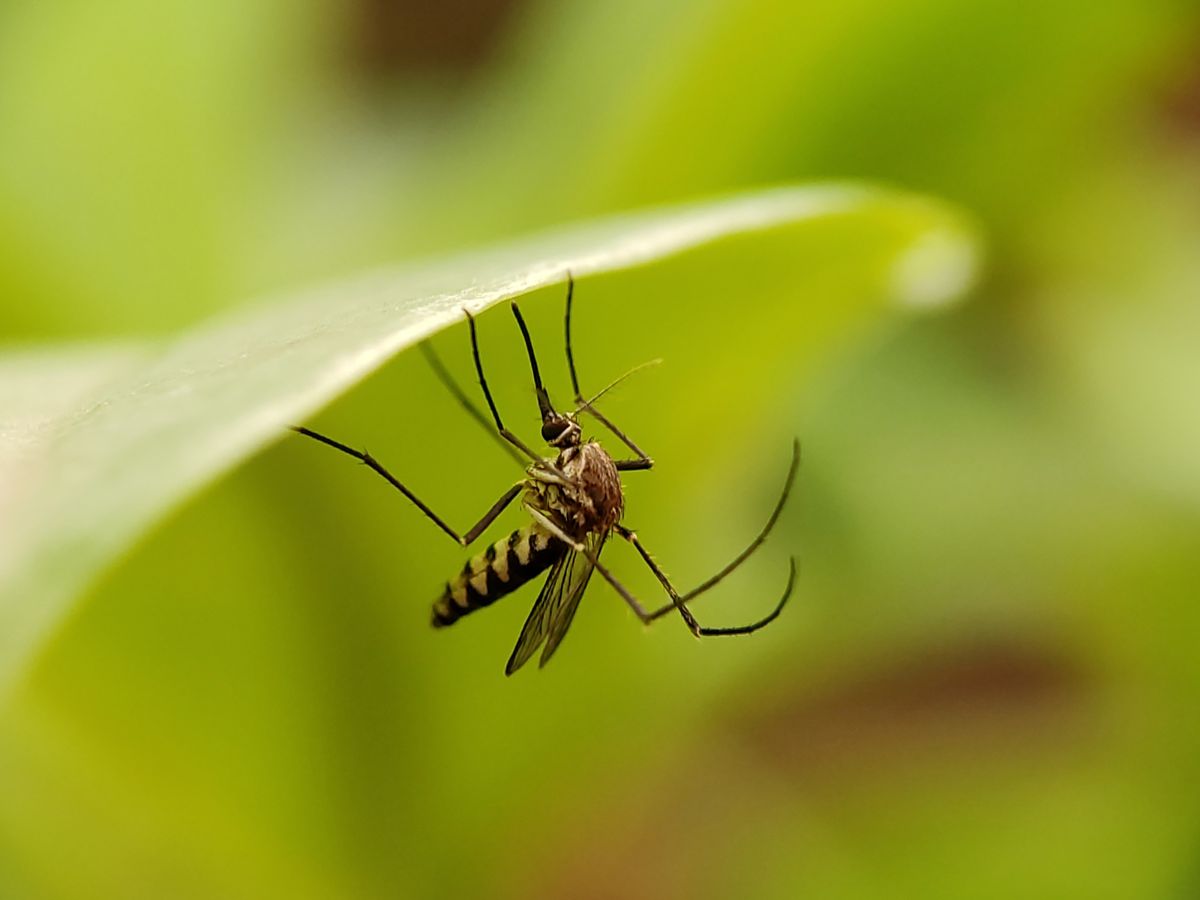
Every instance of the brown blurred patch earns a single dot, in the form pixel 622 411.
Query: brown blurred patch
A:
pixel 977 705
pixel 395 38
pixel 964 700
pixel 1181 98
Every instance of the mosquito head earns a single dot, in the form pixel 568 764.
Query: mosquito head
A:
pixel 560 431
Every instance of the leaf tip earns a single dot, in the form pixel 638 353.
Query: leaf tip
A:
pixel 937 270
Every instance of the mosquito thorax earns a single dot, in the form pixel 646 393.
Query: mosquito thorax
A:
pixel 593 501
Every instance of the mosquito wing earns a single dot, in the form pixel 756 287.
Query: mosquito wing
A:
pixel 554 609
pixel 580 574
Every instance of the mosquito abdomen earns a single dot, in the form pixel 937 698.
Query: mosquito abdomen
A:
pixel 497 571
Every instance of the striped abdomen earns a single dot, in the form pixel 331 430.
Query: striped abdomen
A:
pixel 499 570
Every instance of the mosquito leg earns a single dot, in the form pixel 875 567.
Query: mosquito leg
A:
pixel 644 461
pixel 473 411
pixel 633 465
pixel 567 329
pixel 679 602
pixel 370 461
pixel 741 557
pixel 504 432
pixel 490 516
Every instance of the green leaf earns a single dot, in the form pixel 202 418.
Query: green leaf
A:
pixel 126 435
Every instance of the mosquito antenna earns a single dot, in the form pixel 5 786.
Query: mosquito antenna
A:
pixel 646 365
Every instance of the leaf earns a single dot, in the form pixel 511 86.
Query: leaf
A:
pixel 131 433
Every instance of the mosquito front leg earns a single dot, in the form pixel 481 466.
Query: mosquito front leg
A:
pixel 487 394
pixel 642 462
pixel 368 460
pixel 633 465
pixel 625 465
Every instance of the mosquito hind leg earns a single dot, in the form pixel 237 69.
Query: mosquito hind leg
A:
pixel 375 466
pixel 679 601
pixel 733 564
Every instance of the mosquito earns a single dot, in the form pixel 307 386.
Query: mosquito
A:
pixel 575 501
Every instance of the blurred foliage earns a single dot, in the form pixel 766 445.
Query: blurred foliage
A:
pixel 101 443
pixel 985 685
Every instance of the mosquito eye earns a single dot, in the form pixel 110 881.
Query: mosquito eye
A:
pixel 553 430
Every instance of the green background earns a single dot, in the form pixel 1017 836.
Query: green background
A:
pixel 986 683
